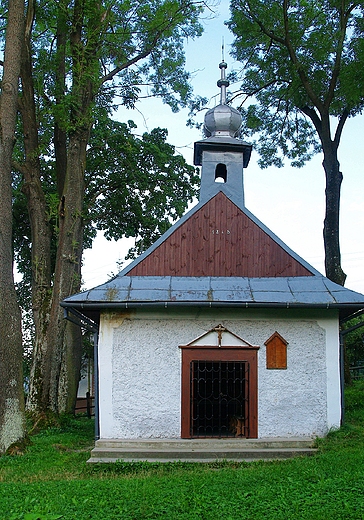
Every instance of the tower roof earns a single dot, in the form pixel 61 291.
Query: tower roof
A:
pixel 222 127
pixel 223 120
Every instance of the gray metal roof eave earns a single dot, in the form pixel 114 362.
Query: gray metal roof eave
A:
pixel 101 305
pixel 306 290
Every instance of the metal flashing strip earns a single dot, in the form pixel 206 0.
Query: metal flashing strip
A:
pixel 309 291
pixel 226 144
pixel 100 305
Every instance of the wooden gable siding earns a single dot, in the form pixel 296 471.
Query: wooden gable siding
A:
pixel 219 240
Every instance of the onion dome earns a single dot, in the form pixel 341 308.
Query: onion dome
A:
pixel 223 120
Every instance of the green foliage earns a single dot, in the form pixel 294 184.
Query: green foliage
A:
pixel 284 132
pixel 87 58
pixel 303 62
pixel 52 480
pixel 136 186
pixel 127 46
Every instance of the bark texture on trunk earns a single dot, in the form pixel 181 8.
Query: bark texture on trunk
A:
pixel 38 218
pixel 331 223
pixel 12 425
pixel 64 338
pixel 56 369
pixel 331 230
pixel 334 177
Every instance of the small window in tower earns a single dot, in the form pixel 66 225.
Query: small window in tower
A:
pixel 220 173
pixel 276 352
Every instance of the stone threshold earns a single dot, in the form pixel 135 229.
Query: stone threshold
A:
pixel 200 450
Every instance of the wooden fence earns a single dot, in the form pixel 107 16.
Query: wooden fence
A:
pixel 85 405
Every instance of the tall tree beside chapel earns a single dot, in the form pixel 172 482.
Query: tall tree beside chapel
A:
pixel 78 56
pixel 12 426
pixel 303 65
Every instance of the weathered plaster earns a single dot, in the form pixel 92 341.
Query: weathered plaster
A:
pixel 293 401
pixel 140 370
pixel 109 321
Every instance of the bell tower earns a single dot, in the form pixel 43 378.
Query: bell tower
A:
pixel 222 154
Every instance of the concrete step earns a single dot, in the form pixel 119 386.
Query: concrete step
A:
pixel 199 450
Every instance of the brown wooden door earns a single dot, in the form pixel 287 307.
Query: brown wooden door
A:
pixel 219 392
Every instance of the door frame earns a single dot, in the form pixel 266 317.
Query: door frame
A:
pixel 248 354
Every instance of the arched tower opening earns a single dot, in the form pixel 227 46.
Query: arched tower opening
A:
pixel 220 173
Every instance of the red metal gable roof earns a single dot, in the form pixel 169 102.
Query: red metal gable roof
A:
pixel 219 240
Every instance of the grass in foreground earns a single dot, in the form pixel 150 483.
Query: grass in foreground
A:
pixel 53 481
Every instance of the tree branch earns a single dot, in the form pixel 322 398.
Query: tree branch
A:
pixel 253 92
pixel 127 64
pixel 340 127
pixel 143 54
pixel 311 113
pixel 339 50
pixel 21 168
pixel 300 71
pixel 263 28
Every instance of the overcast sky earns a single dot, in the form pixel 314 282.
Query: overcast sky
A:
pixel 288 200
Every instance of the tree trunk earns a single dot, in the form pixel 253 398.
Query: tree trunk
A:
pixel 60 135
pixel 12 425
pixel 58 347
pixel 332 211
pixel 62 358
pixel 334 179
pixel 64 340
pixel 38 219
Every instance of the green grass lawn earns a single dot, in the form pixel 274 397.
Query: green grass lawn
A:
pixel 52 481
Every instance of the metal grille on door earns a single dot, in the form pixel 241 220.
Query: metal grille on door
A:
pixel 219 398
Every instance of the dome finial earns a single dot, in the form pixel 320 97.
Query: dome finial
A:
pixel 223 120
pixel 223 83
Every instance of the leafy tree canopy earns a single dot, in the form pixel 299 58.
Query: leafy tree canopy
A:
pixel 303 61
pixel 134 47
pixel 136 186
pixel 303 67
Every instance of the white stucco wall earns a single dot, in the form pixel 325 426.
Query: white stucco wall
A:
pixel 140 370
